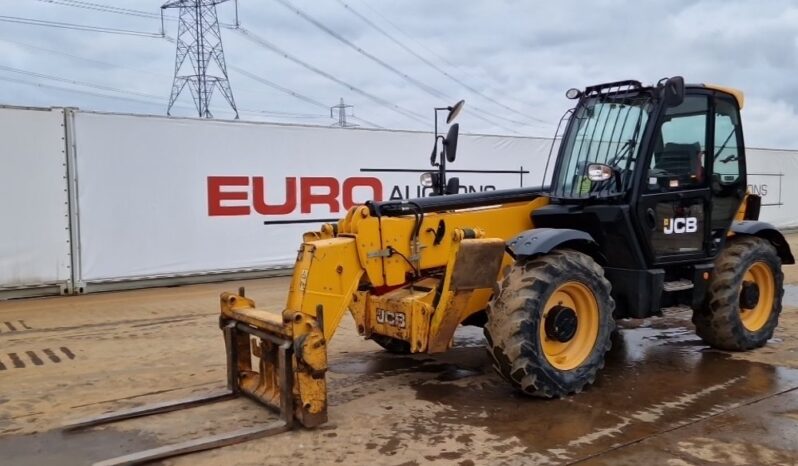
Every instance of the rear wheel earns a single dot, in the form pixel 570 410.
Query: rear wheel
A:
pixel 743 301
pixel 549 325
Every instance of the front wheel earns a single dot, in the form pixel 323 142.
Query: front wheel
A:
pixel 549 325
pixel 743 300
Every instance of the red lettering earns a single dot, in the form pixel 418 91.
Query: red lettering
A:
pixel 216 195
pixel 322 190
pixel 309 198
pixel 259 198
pixel 361 181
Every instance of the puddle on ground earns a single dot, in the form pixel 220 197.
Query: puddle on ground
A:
pixel 658 376
pixel 379 363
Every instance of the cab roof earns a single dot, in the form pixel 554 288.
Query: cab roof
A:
pixel 736 93
pixel 632 86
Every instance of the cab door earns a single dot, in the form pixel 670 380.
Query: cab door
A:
pixel 728 181
pixel 675 200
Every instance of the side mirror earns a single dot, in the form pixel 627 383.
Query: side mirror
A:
pixel 454 110
pixel 673 91
pixel 599 172
pixel 453 185
pixel 450 143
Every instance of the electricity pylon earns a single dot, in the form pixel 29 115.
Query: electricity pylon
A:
pixel 199 45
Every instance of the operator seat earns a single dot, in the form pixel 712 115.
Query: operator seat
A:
pixel 683 160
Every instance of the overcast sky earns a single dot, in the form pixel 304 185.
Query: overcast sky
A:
pixel 519 55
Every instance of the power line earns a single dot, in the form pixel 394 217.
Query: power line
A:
pixel 103 8
pixel 276 86
pixel 409 36
pixel 260 41
pixel 435 66
pixel 275 49
pixel 156 99
pixel 61 88
pixel 431 51
pixel 117 10
pixel 113 9
pixel 77 27
pixel 85 59
pixel 113 65
pixel 133 93
pixel 75 82
pixel 291 92
pixel 428 89
pixel 77 57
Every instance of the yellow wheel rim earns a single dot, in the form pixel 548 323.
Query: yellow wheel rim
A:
pixel 754 318
pixel 567 355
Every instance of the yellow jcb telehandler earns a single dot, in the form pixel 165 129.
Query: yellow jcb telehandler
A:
pixel 646 209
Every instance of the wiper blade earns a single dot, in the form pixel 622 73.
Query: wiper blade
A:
pixel 724 144
pixel 622 151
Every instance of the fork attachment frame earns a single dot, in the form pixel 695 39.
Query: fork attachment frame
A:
pixel 240 338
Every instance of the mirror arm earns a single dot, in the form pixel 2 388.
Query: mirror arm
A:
pixel 442 172
pixel 434 154
pixel 618 179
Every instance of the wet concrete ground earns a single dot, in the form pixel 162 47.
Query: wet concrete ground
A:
pixel 663 397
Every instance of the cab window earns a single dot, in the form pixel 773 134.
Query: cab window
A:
pixel 726 165
pixel 678 161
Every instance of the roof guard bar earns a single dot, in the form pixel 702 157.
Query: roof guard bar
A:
pixel 596 89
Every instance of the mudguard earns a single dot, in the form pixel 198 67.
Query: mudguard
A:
pixel 543 240
pixel 768 232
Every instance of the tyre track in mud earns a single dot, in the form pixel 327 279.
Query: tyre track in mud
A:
pixel 448 408
pixel 103 328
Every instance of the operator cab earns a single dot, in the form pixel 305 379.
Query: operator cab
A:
pixel 655 174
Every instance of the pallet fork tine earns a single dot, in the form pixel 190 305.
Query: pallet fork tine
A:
pixel 286 408
pixel 147 410
pixel 200 444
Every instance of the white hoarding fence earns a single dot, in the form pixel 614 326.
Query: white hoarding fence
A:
pixel 34 201
pixel 144 197
pixel 772 174
pixel 165 196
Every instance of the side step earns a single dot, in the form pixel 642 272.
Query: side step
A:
pixel 233 331
pixel 678 285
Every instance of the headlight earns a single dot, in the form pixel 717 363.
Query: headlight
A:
pixel 427 179
pixel 572 93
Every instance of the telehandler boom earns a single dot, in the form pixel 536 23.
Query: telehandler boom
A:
pixel 646 209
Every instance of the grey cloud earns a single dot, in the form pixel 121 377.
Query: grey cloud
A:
pixel 523 53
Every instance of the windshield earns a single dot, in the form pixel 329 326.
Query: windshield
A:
pixel 604 129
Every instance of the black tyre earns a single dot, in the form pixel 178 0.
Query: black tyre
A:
pixel 549 325
pixel 391 345
pixel 743 301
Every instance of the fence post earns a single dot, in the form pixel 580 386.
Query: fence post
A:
pixel 76 282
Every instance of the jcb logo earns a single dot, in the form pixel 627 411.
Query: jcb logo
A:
pixel 680 225
pixel 394 319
